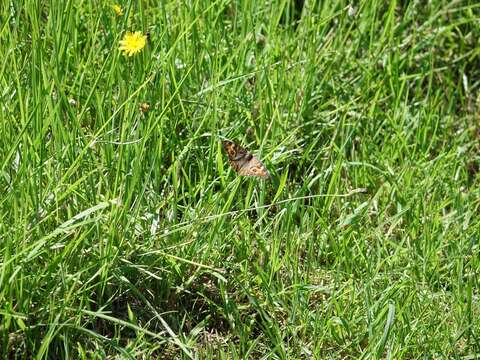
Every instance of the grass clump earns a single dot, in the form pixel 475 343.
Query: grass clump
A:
pixel 124 232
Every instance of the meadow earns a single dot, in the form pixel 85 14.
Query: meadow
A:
pixel 126 234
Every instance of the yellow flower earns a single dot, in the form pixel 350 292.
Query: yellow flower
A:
pixel 118 10
pixel 132 43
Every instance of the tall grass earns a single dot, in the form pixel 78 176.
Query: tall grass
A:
pixel 126 234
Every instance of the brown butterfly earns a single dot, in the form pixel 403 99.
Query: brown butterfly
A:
pixel 243 162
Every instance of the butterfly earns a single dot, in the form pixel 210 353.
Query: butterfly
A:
pixel 243 162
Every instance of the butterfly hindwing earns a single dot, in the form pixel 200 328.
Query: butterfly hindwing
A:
pixel 243 162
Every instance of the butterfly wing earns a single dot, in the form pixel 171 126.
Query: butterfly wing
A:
pixel 243 162
pixel 254 167
pixel 234 151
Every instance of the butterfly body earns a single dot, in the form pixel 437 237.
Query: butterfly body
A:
pixel 243 162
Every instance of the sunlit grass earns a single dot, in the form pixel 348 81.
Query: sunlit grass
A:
pixel 124 232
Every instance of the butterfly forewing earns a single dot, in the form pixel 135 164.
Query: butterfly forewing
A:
pixel 243 162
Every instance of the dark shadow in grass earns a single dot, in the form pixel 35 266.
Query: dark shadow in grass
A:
pixel 182 307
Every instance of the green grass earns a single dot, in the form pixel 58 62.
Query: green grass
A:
pixel 127 235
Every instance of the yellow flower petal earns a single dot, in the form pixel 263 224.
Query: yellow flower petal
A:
pixel 132 43
pixel 118 10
